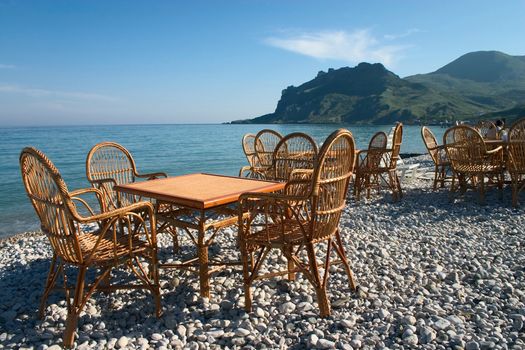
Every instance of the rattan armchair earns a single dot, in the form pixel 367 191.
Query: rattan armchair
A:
pixel 302 221
pixel 265 143
pixel 109 164
pixel 471 161
pixel 378 165
pixel 439 157
pixel 296 152
pixel 487 129
pixel 367 165
pixel 516 159
pixel 125 237
pixel 248 146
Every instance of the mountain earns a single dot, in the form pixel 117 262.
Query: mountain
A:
pixel 475 83
pixel 486 67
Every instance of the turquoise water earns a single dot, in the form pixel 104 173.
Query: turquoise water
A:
pixel 174 149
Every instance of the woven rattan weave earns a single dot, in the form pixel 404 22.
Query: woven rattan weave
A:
pixel 300 222
pixel 109 164
pixel 516 158
pixel 124 237
pixel 471 162
pixel 439 157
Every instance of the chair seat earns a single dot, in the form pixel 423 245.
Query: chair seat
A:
pixel 107 252
pixel 478 168
pixel 271 235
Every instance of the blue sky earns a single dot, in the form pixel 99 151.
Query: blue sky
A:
pixel 102 62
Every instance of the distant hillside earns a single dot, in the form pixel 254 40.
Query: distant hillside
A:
pixel 475 83
pixel 486 67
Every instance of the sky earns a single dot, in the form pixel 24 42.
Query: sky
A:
pixel 69 62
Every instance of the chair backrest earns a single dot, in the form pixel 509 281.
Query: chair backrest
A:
pixel 248 146
pixel 517 131
pixel 295 151
pixel 429 139
pixel 109 160
pixel 50 197
pixel 397 140
pixel 265 143
pixel 465 147
pixel 330 182
pixel 487 129
pixel 516 147
pixel 378 140
pixel 376 152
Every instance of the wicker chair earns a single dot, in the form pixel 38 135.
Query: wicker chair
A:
pixel 296 152
pixel 248 146
pixel 102 250
pixel 516 159
pixel 109 164
pixel 265 143
pixel 518 130
pixel 308 214
pixel 471 161
pixel 367 164
pixel 487 129
pixel 438 155
pixel 380 168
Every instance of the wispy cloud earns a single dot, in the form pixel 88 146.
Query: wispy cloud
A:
pixel 406 33
pixel 55 93
pixel 7 66
pixel 353 47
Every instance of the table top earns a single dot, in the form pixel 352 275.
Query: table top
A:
pixel 199 191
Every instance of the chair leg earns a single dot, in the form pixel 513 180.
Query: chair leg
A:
pixel 393 185
pixel 436 172
pixel 398 182
pixel 247 266
pixel 320 289
pixel 481 189
pixel 341 252
pixel 367 186
pixel 514 184
pixel 357 187
pixel 247 287
pixel 156 287
pixel 291 265
pixel 452 188
pixel 50 282
pixel 74 310
pixel 175 239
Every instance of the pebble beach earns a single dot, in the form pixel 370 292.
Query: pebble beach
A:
pixel 432 274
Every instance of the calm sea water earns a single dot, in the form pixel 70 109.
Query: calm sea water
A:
pixel 174 149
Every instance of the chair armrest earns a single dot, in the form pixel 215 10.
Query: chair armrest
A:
pixel 438 147
pixel 102 181
pixel 134 217
pixel 300 174
pixel 152 176
pixel 98 193
pixel 245 168
pixel 271 197
pixel 495 150
pixel 115 213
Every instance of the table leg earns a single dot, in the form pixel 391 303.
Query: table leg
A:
pixel 202 252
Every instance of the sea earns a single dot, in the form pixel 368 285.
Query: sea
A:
pixel 176 149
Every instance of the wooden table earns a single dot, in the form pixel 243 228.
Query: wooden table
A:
pixel 199 203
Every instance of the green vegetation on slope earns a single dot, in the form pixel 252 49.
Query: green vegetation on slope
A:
pixel 470 86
